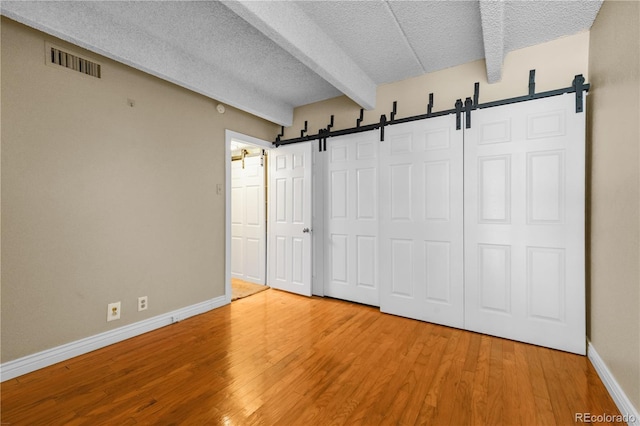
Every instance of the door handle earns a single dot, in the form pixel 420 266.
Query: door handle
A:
pixel 306 230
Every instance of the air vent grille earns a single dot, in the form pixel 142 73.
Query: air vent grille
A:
pixel 73 62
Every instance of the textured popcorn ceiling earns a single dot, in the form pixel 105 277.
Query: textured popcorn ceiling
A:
pixel 267 57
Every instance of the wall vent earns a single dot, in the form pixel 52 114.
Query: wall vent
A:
pixel 60 57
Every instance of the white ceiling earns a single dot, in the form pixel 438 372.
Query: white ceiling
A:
pixel 267 57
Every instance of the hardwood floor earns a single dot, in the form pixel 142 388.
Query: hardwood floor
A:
pixel 276 358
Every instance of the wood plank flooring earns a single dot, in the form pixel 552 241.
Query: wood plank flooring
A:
pixel 279 359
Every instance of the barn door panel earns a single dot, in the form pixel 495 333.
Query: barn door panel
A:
pixel 524 223
pixel 351 211
pixel 421 221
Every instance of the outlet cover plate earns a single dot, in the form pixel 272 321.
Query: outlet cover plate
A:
pixel 113 311
pixel 143 303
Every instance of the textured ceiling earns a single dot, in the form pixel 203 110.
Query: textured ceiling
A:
pixel 268 57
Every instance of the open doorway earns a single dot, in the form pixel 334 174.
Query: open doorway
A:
pixel 246 201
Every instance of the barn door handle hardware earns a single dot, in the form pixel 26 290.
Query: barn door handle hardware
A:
pixel 323 133
pixel 326 133
pixel 579 86
pixel 359 120
pixel 430 105
pixel 468 106
pixel 307 230
pixel 458 114
pixel 476 93
pixel 532 83
pixel 280 135
pixel 330 125
pixel 383 122
pixel 320 139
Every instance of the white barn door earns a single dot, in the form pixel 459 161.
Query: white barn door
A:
pixel 351 224
pixel 524 223
pixel 421 221
pixel 290 218
pixel 248 226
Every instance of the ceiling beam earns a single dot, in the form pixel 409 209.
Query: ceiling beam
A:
pixel 289 27
pixel 492 15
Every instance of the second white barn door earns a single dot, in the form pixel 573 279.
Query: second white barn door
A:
pixel 351 218
pixel 524 223
pixel 421 218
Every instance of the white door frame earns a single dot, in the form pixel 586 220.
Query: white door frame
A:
pixel 230 135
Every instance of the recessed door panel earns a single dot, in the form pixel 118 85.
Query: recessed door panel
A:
pixel 437 186
pixel 545 283
pixel 339 258
pixel 546 124
pixel 366 260
pixel 437 265
pixel 254 254
pixel 297 264
pixel 366 194
pixel 339 190
pixel 494 277
pixel 402 268
pixel 494 186
pixel 280 200
pixel 298 200
pixel 401 143
pixel 237 206
pixel 494 131
pixel 437 139
pixel 254 204
pixel 545 187
pixel 281 258
pixel 401 177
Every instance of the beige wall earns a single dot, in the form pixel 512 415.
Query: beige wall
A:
pixel 614 135
pixel 555 62
pixel 102 202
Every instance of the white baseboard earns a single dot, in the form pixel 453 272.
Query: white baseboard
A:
pixel 29 363
pixel 617 394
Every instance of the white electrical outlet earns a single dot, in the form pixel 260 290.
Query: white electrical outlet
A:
pixel 143 303
pixel 113 311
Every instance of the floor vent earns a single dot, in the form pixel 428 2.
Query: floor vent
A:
pixel 70 61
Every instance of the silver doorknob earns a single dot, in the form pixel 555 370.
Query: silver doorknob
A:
pixel 306 230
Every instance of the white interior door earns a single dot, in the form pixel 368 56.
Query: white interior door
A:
pixel 248 226
pixel 421 221
pixel 351 224
pixel 524 223
pixel 290 218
